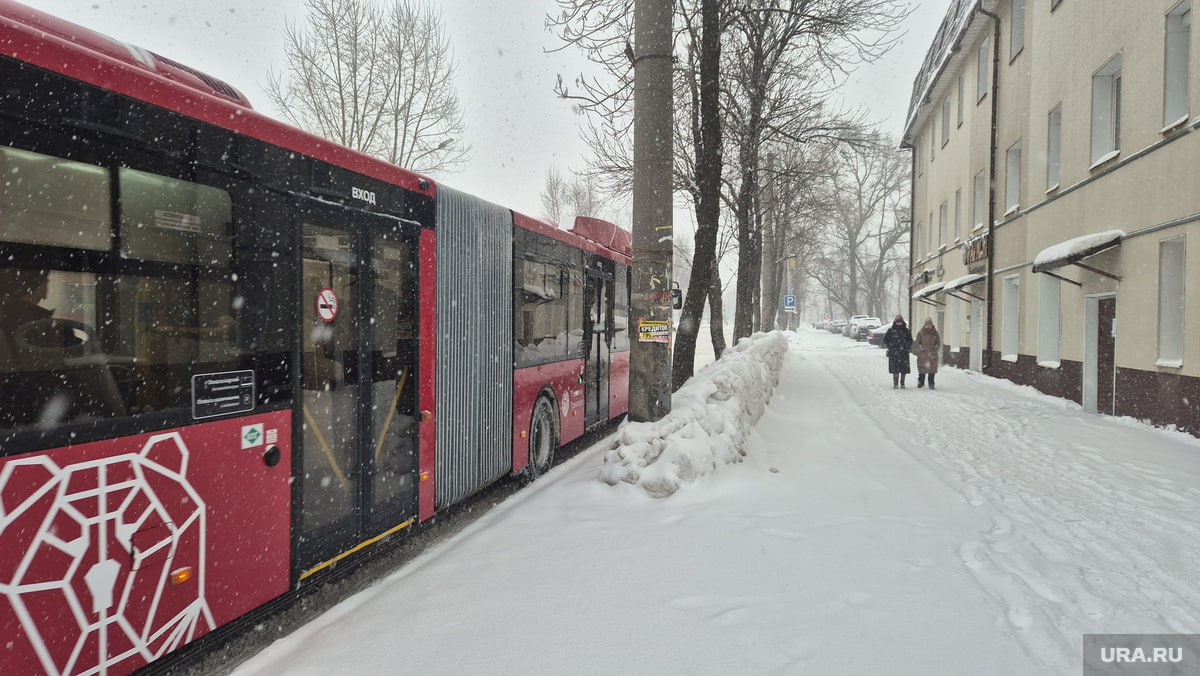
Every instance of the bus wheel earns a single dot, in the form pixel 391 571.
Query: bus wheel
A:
pixel 542 439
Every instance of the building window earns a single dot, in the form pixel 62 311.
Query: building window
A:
pixel 1012 315
pixel 1170 301
pixel 918 237
pixel 943 224
pixel 1053 148
pixel 954 330
pixel 980 200
pixel 945 121
pixel 957 214
pixel 1049 320
pixel 1017 41
pixel 929 235
pixel 1106 111
pixel 932 138
pixel 981 77
pixel 960 99
pixel 1012 179
pixel 1175 71
pixel 920 158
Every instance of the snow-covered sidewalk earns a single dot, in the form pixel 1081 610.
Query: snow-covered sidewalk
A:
pixel 981 528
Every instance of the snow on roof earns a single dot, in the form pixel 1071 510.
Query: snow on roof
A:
pixel 1078 248
pixel 941 50
pixel 956 284
pixel 929 290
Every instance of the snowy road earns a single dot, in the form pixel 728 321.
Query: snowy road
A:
pixel 981 528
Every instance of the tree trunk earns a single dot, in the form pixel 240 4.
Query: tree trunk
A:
pixel 708 199
pixel 749 231
pixel 716 312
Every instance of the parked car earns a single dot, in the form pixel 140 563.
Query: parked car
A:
pixel 875 336
pixel 865 326
pixel 837 326
pixel 851 329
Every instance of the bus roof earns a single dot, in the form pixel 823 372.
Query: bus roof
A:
pixel 60 46
pixel 576 238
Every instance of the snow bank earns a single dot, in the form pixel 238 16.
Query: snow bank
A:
pixel 711 415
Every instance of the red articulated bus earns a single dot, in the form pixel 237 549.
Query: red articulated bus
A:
pixel 233 353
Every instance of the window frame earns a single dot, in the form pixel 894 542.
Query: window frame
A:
pixel 981 72
pixel 945 121
pixel 943 224
pixel 980 199
pixel 1054 148
pixel 1177 71
pixel 957 214
pixel 1012 178
pixel 1016 38
pixel 1010 342
pixel 1049 344
pixel 1172 302
pixel 1106 111
pixel 961 97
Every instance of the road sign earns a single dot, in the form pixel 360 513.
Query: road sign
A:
pixel 789 303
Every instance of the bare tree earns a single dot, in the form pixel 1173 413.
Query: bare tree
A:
pixel 562 199
pixel 585 198
pixel 866 228
pixel 601 28
pixel 554 196
pixel 793 218
pixel 378 79
pixel 784 57
pixel 748 73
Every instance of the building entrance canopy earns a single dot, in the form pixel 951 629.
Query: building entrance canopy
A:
pixel 1074 250
pixel 956 284
pixel 928 291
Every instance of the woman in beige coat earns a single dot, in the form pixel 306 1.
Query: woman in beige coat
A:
pixel 927 347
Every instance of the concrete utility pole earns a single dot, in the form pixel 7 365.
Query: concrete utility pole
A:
pixel 650 354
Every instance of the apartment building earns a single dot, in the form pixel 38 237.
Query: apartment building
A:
pixel 1056 199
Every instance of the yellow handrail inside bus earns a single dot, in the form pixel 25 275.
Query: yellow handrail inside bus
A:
pixel 387 422
pixel 337 471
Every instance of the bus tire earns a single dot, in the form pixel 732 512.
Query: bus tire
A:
pixel 543 438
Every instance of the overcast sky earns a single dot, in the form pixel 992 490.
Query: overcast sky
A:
pixel 515 125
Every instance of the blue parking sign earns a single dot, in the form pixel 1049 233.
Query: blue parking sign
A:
pixel 789 302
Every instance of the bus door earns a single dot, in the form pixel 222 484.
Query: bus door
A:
pixel 596 333
pixel 357 423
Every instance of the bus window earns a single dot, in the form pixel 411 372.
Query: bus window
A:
pixel 53 202
pixel 80 343
pixel 165 219
pixel 541 317
pixel 620 312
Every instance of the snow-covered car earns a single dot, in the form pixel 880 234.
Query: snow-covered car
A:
pixel 850 330
pixel 875 335
pixel 863 327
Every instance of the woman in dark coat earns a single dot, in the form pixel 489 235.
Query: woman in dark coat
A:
pixel 898 340
pixel 926 348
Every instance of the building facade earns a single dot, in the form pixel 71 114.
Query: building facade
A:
pixel 1056 199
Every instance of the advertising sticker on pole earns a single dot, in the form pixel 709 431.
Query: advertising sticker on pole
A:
pixel 654 331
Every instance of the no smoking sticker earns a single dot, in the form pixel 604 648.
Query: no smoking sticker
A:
pixel 327 305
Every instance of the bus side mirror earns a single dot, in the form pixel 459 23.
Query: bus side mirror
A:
pixel 676 299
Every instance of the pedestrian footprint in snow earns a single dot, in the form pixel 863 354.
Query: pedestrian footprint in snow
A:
pixel 927 348
pixel 898 340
